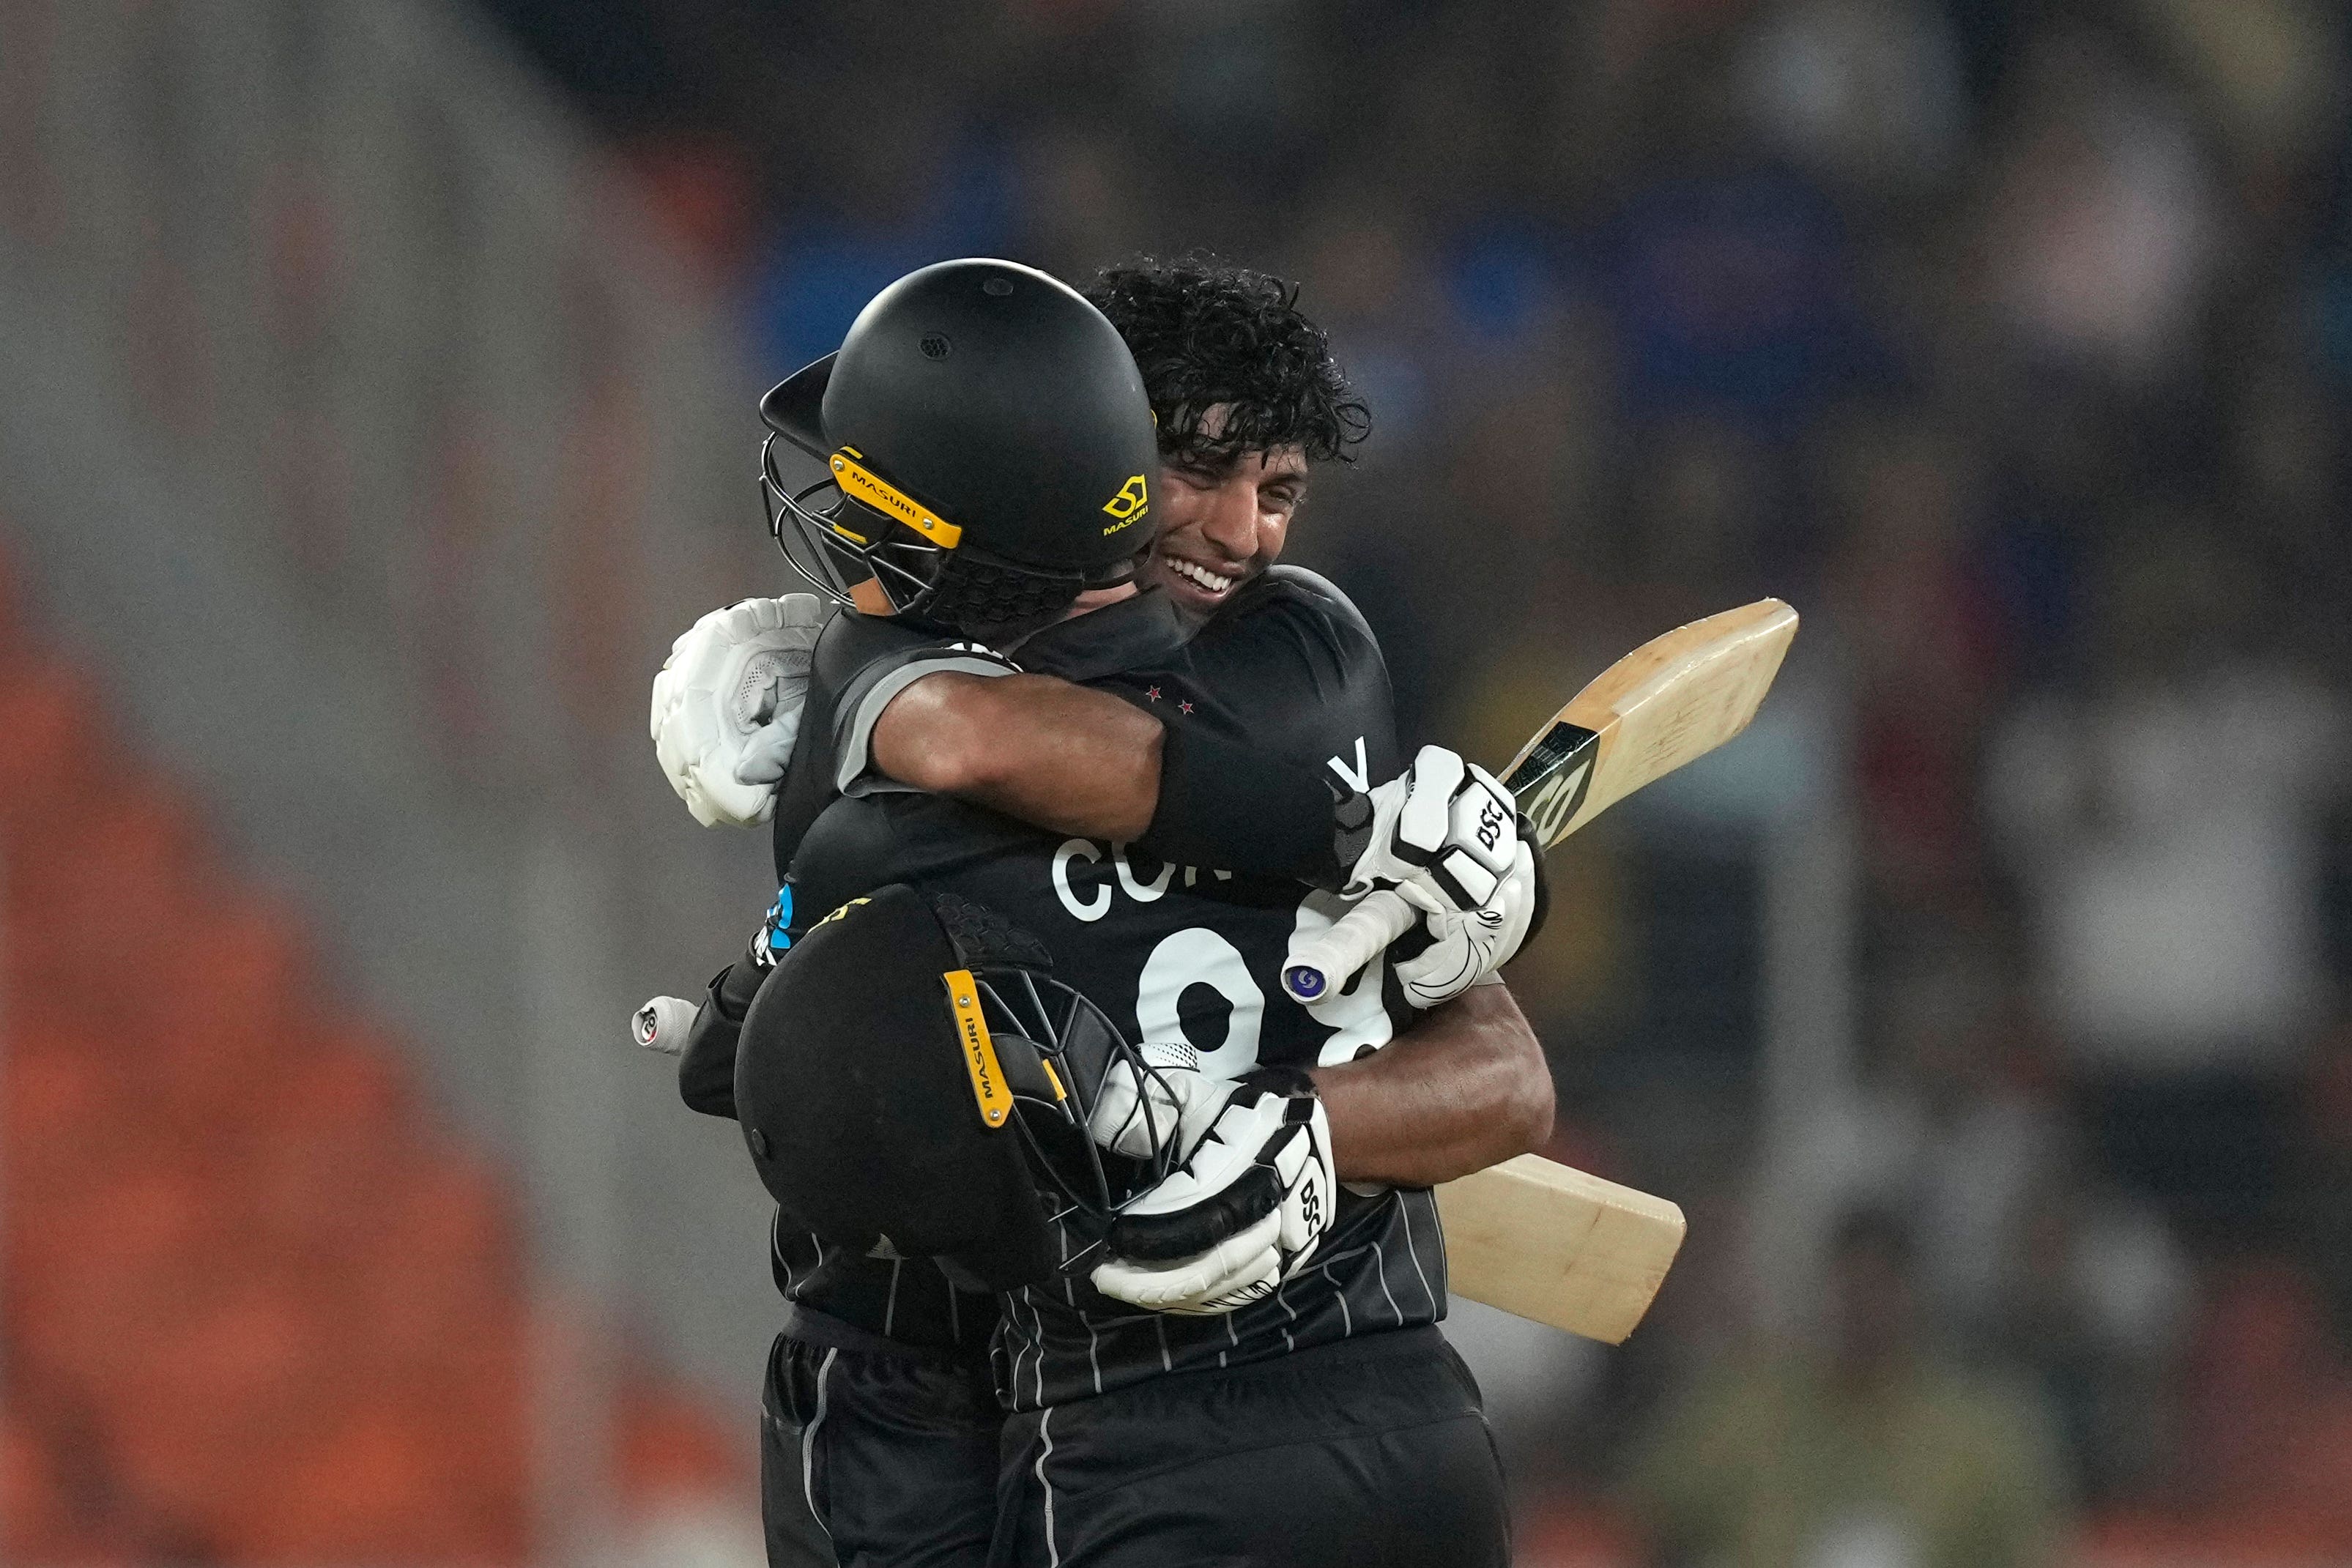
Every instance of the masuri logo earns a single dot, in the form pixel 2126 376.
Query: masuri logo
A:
pixel 1134 499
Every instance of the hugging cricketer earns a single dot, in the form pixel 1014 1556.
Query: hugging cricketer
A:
pixel 1097 1247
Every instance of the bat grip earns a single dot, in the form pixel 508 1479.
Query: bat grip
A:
pixel 662 1024
pixel 1323 963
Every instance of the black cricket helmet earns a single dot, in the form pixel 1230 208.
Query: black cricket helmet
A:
pixel 913 1083
pixel 990 444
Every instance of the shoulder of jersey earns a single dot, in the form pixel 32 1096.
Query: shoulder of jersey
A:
pixel 851 641
pixel 1299 589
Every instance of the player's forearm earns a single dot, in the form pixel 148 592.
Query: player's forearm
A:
pixel 1057 755
pixel 1465 1089
pixel 1071 760
pixel 706 1067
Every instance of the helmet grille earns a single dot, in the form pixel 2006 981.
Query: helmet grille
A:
pixel 995 602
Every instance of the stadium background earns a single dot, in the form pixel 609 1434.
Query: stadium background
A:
pixel 376 403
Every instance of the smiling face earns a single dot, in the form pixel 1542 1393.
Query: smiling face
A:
pixel 1247 396
pixel 1221 526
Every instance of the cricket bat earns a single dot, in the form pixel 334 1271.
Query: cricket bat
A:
pixel 1546 1241
pixel 1670 701
pixel 1530 1235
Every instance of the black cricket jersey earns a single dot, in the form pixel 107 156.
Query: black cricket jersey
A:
pixel 1171 952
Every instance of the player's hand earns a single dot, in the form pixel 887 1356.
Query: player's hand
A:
pixel 1169 1105
pixel 1244 1214
pixel 1441 847
pixel 726 706
pixel 1466 945
pixel 1442 835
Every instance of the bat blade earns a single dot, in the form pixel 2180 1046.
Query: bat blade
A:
pixel 1555 1244
pixel 1669 702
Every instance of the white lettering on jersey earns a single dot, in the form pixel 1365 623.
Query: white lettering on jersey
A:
pixel 1359 778
pixel 1096 907
pixel 1197 956
pixel 1141 891
pixel 1202 955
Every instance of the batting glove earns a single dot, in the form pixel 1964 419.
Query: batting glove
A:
pixel 726 706
pixel 1167 1105
pixel 1243 1215
pixel 1466 945
pixel 1443 835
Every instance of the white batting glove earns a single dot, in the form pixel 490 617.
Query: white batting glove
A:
pixel 726 706
pixel 1443 835
pixel 1466 945
pixel 1169 1105
pixel 1245 1213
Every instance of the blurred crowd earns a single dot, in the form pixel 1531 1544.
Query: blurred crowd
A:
pixel 2012 342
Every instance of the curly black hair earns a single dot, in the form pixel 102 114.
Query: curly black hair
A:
pixel 1205 333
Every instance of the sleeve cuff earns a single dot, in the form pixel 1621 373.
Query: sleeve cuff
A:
pixel 854 772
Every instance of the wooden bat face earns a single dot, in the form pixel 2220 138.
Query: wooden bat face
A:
pixel 1556 1245
pixel 1667 703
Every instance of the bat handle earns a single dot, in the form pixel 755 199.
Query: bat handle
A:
pixel 1323 963
pixel 662 1024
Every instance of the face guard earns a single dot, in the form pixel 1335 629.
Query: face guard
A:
pixel 876 548
pixel 1055 1047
